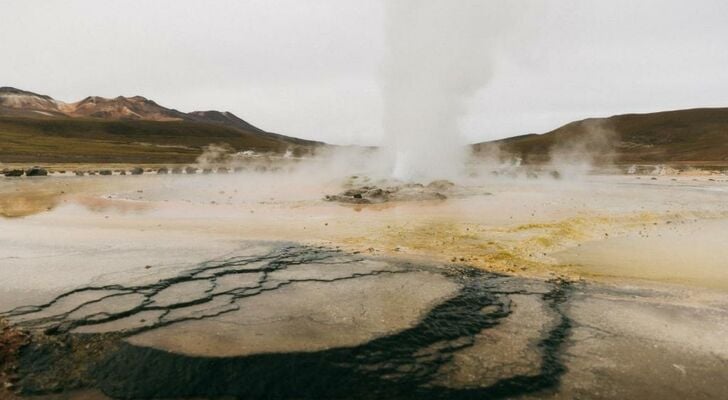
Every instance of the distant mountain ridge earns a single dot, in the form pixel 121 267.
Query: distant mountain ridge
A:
pixel 21 103
pixel 36 128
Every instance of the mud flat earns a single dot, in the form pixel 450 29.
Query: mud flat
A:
pixel 685 252
pixel 254 286
pixel 282 320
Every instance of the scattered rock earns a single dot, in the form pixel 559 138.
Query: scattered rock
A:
pixel 162 171
pixel 370 194
pixel 137 171
pixel 441 185
pixel 105 172
pixel 36 171
pixel 176 170
pixel 11 341
pixel 362 195
pixel 13 172
pixel 190 170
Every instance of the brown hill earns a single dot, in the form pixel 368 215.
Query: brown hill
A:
pixel 690 136
pixel 16 102
pixel 128 108
pixel 223 118
pixel 37 128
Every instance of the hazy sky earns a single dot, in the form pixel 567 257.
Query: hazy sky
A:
pixel 312 68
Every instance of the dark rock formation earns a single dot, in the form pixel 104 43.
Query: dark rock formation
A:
pixel 371 194
pixel 13 172
pixel 441 185
pixel 36 171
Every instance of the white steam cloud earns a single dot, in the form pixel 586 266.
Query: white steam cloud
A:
pixel 439 54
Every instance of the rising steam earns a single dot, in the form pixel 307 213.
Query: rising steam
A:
pixel 439 53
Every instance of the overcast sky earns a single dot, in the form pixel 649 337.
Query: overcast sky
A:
pixel 311 68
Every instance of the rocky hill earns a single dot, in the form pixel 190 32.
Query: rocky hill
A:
pixel 38 128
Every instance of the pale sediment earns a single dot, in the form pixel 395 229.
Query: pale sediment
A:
pixel 149 287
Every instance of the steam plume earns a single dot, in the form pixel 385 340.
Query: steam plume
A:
pixel 439 53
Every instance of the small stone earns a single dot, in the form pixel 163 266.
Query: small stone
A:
pixel 36 171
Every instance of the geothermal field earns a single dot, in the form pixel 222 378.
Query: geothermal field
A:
pixel 288 283
pixel 426 200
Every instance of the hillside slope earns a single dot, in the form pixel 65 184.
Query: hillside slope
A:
pixel 98 141
pixel 36 128
pixel 16 102
pixel 694 135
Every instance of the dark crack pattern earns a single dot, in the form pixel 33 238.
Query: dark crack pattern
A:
pixel 402 365
pixel 208 272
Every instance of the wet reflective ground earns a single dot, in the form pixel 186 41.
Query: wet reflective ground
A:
pixel 203 332
pixel 288 321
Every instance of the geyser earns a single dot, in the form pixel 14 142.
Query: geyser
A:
pixel 439 53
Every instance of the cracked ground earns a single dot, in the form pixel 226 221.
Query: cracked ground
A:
pixel 284 320
pixel 293 321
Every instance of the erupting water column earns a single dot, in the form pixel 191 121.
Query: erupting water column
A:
pixel 438 55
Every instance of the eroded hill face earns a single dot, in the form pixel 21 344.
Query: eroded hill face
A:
pixel 18 102
pixel 136 107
